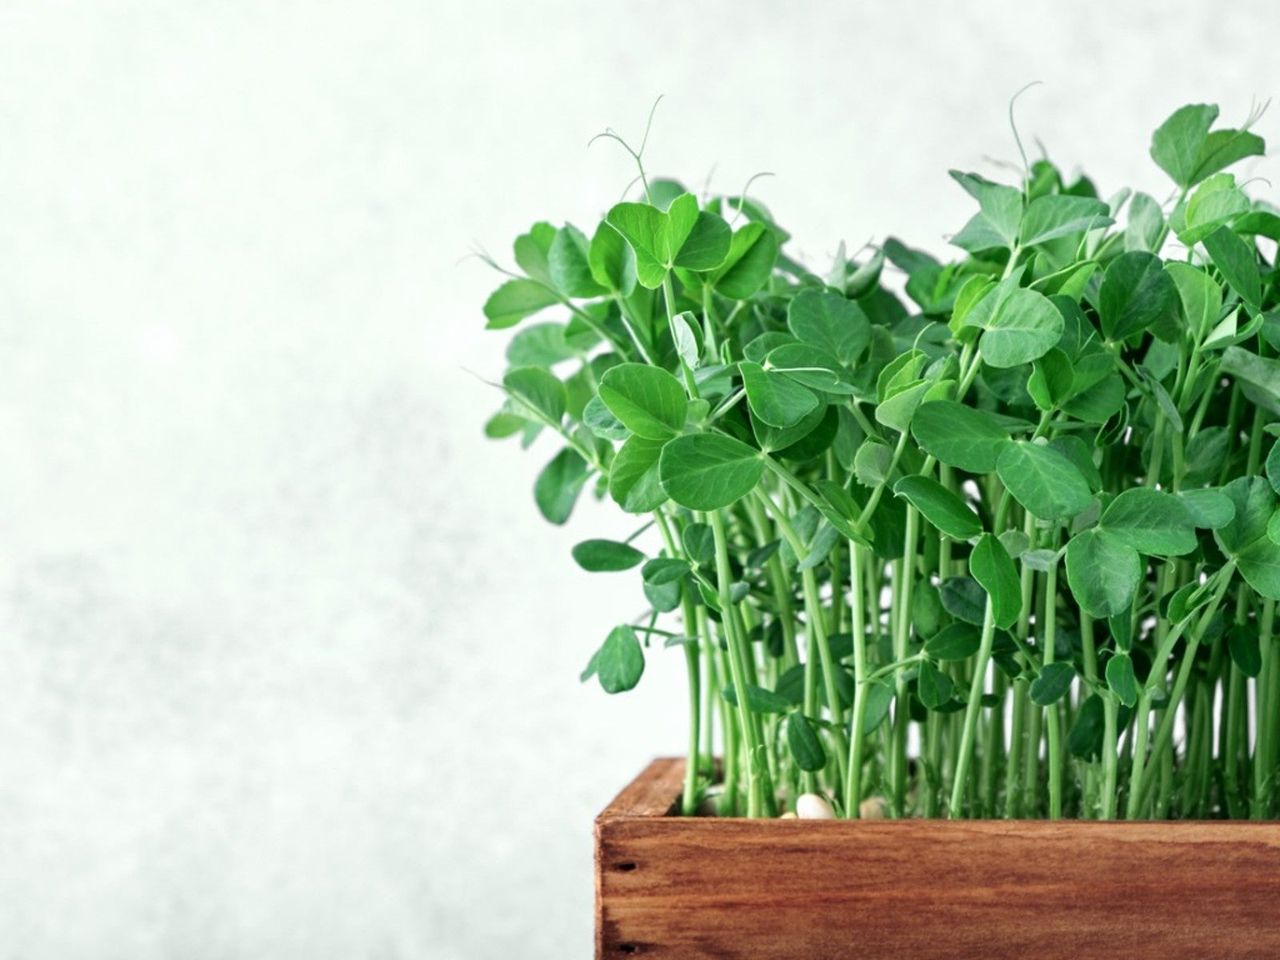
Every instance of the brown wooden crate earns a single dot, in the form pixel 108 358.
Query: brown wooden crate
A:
pixel 674 887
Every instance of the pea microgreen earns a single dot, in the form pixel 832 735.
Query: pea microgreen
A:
pixel 995 535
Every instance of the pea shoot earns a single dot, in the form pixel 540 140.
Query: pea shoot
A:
pixel 989 535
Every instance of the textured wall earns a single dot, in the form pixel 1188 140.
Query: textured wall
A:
pixel 287 661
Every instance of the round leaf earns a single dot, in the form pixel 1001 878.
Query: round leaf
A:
pixel 829 321
pixel 956 641
pixel 1135 294
pixel 933 686
pixel 647 400
pixel 1052 684
pixel 1043 480
pixel 1022 328
pixel 959 436
pixel 538 390
pixel 1150 521
pixel 707 471
pixel 774 398
pixel 1103 572
pixel 634 482
pixel 620 661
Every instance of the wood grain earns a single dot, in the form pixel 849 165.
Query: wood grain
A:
pixel 688 888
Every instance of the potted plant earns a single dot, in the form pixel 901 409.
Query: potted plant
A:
pixel 944 544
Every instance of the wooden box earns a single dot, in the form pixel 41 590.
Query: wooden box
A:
pixel 674 887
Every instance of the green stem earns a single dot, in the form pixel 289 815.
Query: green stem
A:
pixel 757 771
pixel 971 711
pixel 853 769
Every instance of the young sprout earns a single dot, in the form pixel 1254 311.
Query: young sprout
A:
pixel 986 534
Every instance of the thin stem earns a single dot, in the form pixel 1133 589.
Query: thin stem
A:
pixel 971 710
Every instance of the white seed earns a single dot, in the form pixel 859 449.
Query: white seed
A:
pixel 810 806
pixel 872 808
pixel 789 815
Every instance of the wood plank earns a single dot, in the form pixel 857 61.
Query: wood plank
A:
pixel 672 887
pixel 652 794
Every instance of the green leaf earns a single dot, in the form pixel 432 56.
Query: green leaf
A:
pixel 933 687
pixel 663 570
pixel 699 542
pixel 1023 326
pixel 612 262
pixel 774 398
pixel 515 300
pixel 1121 679
pixel 994 570
pixel 1051 380
pixel 539 345
pixel 647 400
pixel 1085 739
pixel 942 508
pixel 1221 148
pixel 1056 215
pixel 880 695
pixel 1238 263
pixel 597 418
pixel 759 699
pixel 1273 466
pixel 683 236
pixel 1135 294
pixel 1216 202
pixel 558 485
pixel 1150 521
pixel 897 410
pixel 648 231
pixel 531 251
pixel 707 243
pixel 811 366
pixel 606 556
pixel 1246 651
pixel 1043 480
pixel 963 598
pixel 804 744
pixel 1262 373
pixel 1178 144
pixel 1210 509
pixel 1146 224
pixel 997 224
pixel 568 264
pixel 504 424
pixel 959 436
pixel 829 321
pixel 1200 295
pixel 619 663
pixel 1052 684
pixel 1103 572
pixel 954 642
pixel 753 250
pixel 872 463
pixel 538 391
pixel 634 477
pixel 1245 538
pixel 686 340
pixel 707 471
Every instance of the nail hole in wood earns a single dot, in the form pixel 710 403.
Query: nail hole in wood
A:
pixel 628 948
pixel 628 866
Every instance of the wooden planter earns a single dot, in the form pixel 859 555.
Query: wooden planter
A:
pixel 675 887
